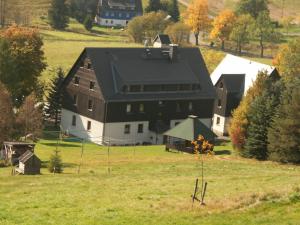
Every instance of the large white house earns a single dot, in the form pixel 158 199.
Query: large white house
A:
pixel 133 95
pixel 232 78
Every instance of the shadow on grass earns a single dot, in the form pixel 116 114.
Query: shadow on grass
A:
pixel 223 152
pixel 61 145
pixel 45 164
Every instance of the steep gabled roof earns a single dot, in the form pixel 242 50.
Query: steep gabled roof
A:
pixel 234 65
pixel 234 82
pixel 116 67
pixel 190 129
pixel 163 39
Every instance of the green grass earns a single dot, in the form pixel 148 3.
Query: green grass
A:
pixel 149 186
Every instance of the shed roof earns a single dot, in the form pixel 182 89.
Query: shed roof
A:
pixel 234 65
pixel 190 129
pixel 27 155
pixel 19 144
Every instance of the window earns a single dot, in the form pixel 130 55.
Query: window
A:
pixel 111 21
pixel 89 65
pixel 106 21
pixel 127 15
pixel 218 120
pixel 75 99
pixel 89 125
pixel 178 107
pixel 219 103
pixel 140 128
pixel 120 14
pixel 125 88
pixel 196 87
pixel 160 103
pixel 106 14
pixel 90 105
pixel 76 80
pixel 74 121
pixel 92 85
pixel 128 108
pixel 82 64
pixel 221 85
pixel 141 107
pixel 127 129
pixel 190 106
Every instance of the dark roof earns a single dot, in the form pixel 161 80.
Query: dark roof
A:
pixel 233 82
pixel 121 6
pixel 19 144
pixel 116 67
pixel 190 129
pixel 162 38
pixel 27 155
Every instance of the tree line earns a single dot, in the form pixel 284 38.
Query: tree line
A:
pixel 22 93
pixel 266 125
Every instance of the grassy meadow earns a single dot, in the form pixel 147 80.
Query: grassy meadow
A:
pixel 148 185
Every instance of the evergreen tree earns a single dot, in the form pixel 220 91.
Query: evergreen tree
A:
pixel 153 6
pixel 284 133
pixel 88 22
pixel 252 7
pixel 173 10
pixel 55 164
pixel 58 14
pixel 260 117
pixel 54 98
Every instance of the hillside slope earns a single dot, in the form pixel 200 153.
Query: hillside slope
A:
pixel 38 8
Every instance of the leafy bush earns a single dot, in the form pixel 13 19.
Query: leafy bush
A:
pixel 55 165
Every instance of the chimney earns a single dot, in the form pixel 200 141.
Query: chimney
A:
pixel 173 52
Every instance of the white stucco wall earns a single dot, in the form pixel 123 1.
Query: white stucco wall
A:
pixel 220 129
pixel 80 130
pixel 114 133
pixel 111 22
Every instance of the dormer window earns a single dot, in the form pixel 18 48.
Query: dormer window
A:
pixel 128 108
pixel 92 85
pixel 90 105
pixel 76 80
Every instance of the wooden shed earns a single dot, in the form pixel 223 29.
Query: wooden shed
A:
pixel 11 151
pixel 29 164
pixel 181 136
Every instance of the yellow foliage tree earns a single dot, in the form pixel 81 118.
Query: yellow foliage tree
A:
pixel 196 17
pixel 222 26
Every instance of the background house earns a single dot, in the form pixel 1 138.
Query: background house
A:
pixel 133 95
pixel 232 78
pixel 117 12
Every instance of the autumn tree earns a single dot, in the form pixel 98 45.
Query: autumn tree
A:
pixel 196 17
pixel 242 31
pixel 239 122
pixel 80 9
pixel 22 61
pixel 178 32
pixel 54 98
pixel 212 59
pixel 287 60
pixel 284 132
pixel 287 23
pixel 265 31
pixel 6 115
pixel 58 14
pixel 222 26
pixel 29 118
pixel 147 26
pixel 252 7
